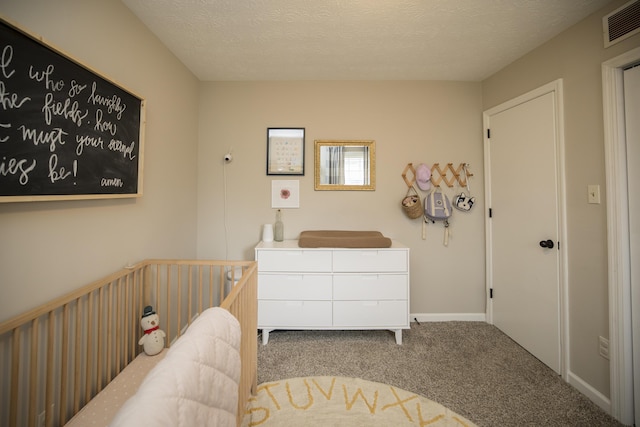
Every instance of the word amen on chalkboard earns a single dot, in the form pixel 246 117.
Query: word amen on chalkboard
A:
pixel 65 132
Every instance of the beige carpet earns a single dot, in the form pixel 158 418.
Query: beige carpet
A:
pixel 342 401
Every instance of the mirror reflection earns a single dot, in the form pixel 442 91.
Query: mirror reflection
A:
pixel 345 165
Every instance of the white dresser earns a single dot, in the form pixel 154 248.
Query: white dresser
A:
pixel 332 288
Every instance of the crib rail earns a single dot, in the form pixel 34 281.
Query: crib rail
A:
pixel 56 357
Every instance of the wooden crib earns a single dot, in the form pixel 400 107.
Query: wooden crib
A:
pixel 57 357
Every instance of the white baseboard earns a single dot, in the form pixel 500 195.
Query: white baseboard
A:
pixel 594 395
pixel 448 317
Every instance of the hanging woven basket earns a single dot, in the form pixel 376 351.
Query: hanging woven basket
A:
pixel 411 204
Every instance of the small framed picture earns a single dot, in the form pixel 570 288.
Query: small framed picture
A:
pixel 285 194
pixel 285 151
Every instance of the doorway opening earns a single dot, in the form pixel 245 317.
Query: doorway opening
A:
pixel 618 243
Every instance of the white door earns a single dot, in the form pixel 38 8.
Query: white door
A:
pixel 523 228
pixel 632 125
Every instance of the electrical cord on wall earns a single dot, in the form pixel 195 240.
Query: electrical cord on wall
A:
pixel 227 159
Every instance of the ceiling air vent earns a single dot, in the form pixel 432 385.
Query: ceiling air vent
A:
pixel 622 23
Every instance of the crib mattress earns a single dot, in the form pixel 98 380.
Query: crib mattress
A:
pixel 103 407
pixel 343 239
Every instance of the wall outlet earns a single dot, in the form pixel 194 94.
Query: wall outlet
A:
pixel 603 347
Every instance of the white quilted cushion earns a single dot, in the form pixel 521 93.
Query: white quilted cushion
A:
pixel 197 382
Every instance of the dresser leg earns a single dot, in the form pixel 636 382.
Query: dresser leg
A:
pixel 398 336
pixel 265 336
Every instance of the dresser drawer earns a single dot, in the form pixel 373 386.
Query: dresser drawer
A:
pixel 294 286
pixel 294 314
pixel 294 260
pixel 370 260
pixel 370 287
pixel 370 314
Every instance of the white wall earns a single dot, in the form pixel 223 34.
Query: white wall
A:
pixel 48 249
pixel 410 122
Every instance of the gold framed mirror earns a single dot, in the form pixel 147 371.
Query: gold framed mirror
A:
pixel 345 165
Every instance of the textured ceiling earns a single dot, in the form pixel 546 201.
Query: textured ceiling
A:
pixel 465 40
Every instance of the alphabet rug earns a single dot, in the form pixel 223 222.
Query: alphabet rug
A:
pixel 342 401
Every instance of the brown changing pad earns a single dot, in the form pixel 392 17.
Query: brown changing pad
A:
pixel 343 239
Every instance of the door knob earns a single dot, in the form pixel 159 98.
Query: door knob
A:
pixel 546 243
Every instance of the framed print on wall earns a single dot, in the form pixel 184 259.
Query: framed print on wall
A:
pixel 285 194
pixel 285 151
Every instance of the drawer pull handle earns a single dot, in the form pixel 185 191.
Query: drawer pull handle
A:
pixel 370 303
pixel 296 278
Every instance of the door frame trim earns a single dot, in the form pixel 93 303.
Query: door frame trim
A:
pixel 619 263
pixel 555 87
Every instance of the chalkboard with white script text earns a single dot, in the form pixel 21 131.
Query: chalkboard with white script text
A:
pixel 65 131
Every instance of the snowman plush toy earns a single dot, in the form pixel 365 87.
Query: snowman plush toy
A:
pixel 153 339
